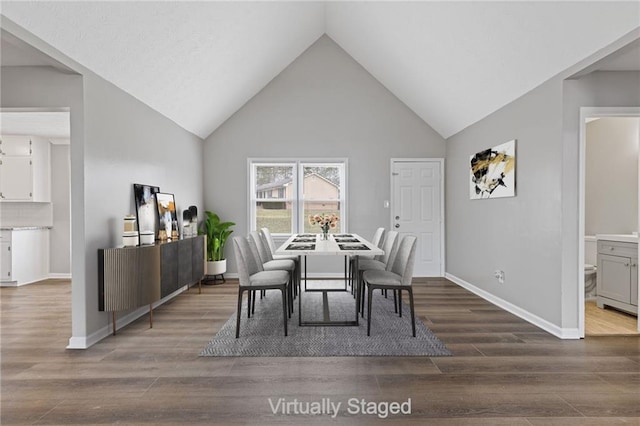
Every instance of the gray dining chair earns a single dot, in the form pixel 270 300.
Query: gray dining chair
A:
pixel 376 240
pixel 253 277
pixel 271 245
pixel 397 277
pixel 270 264
pixel 379 262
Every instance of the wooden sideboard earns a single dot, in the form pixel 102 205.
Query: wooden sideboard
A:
pixel 131 277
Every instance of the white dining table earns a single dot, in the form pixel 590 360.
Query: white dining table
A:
pixel 348 244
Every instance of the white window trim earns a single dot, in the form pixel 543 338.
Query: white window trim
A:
pixel 298 164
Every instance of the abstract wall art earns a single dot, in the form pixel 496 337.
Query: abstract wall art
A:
pixel 493 172
pixel 167 215
pixel 146 211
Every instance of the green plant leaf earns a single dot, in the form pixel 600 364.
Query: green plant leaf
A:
pixel 217 233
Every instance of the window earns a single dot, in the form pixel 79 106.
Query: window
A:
pixel 284 193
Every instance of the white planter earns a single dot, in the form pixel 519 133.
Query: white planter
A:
pixel 217 267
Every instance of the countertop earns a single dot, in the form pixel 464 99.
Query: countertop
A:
pixel 23 228
pixel 625 238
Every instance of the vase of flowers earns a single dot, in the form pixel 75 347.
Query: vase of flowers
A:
pixel 325 221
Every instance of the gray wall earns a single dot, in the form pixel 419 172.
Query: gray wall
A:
pixel 611 179
pixel 128 142
pixel 519 235
pixel 323 105
pixel 60 234
pixel 533 237
pixel 115 141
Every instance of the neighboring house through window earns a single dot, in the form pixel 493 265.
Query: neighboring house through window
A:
pixel 284 193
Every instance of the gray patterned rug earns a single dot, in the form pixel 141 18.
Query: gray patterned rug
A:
pixel 263 333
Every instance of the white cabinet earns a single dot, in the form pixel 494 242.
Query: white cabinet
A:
pixel 618 275
pixel 25 169
pixel 5 255
pixel 15 145
pixel 16 178
pixel 24 257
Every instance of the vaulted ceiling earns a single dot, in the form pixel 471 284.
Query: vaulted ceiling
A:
pixel 452 63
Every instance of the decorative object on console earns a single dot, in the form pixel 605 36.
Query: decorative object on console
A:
pixel 493 172
pixel 186 223
pixel 167 214
pixel 147 238
pixel 129 223
pixel 217 233
pixel 146 210
pixel 325 221
pixel 194 219
pixel 130 239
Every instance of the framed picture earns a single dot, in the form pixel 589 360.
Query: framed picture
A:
pixel 493 172
pixel 146 210
pixel 167 216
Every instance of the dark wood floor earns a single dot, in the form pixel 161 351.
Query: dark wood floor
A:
pixel 504 371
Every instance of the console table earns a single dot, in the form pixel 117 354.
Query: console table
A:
pixel 131 277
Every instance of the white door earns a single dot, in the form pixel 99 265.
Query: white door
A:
pixel 417 204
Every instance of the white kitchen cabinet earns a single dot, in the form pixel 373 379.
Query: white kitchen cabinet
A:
pixel 25 256
pixel 5 255
pixel 617 281
pixel 15 145
pixel 16 178
pixel 25 177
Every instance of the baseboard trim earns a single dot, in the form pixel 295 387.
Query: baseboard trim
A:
pixel 48 277
pixel 58 276
pixel 16 284
pixel 80 342
pixel 77 343
pixel 562 333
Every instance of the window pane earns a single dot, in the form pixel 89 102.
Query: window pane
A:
pixel 321 208
pixel 285 192
pixel 321 183
pixel 275 215
pixel 274 182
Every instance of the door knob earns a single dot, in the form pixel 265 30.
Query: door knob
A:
pixel 397 225
pixel 397 217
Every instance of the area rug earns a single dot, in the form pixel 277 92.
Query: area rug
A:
pixel 262 335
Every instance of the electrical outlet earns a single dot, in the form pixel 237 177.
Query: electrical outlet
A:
pixel 499 276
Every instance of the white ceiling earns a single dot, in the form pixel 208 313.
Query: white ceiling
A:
pixel 452 63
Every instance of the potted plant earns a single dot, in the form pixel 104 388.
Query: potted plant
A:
pixel 217 233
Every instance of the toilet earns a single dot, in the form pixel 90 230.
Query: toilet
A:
pixel 590 270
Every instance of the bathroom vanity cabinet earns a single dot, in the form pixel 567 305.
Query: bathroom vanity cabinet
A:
pixel 617 281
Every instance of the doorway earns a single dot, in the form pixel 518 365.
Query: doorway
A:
pixel 417 208
pixel 588 114
pixel 51 127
